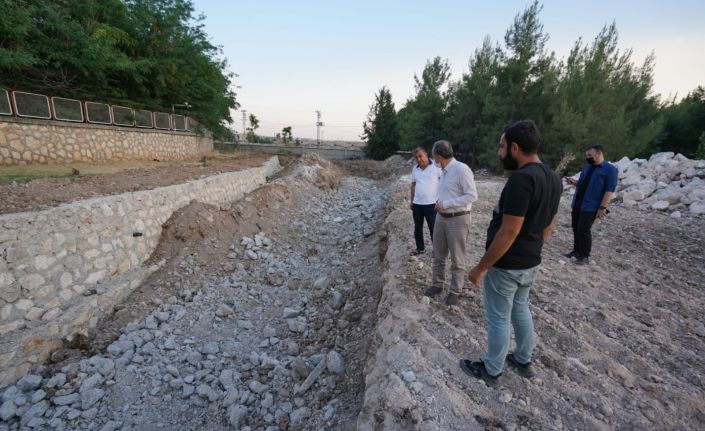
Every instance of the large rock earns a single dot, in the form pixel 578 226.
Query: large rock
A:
pixel 697 208
pixel 29 382
pixel 8 410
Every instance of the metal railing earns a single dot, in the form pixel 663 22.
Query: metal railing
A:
pixel 31 105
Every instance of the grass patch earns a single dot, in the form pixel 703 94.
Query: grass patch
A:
pixel 226 148
pixel 20 175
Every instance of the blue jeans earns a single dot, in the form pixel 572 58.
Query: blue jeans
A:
pixel 506 297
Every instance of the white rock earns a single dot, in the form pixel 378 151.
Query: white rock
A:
pixel 91 382
pixel 29 382
pixel 697 208
pixel 7 410
pixel 335 362
pixel 224 311
pixel 660 205
pixel 505 397
pixel 90 397
pixel 290 312
pixel 296 325
pixel 257 387
pixel 210 348
pixel 52 314
pixel 298 416
pixel 236 415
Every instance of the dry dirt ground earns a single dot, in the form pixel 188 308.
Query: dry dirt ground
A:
pixel 60 186
pixel 309 279
pixel 620 343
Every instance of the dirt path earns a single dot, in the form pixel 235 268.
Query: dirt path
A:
pixel 95 180
pixel 620 343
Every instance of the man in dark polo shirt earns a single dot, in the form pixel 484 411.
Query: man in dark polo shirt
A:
pixel 595 189
pixel 520 223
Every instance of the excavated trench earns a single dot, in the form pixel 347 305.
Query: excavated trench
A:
pixel 299 308
pixel 259 318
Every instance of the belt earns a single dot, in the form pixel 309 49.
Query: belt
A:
pixel 449 215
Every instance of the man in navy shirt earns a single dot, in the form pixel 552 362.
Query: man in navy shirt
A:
pixel 595 189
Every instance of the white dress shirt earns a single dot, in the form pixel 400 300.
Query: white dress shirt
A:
pixel 457 190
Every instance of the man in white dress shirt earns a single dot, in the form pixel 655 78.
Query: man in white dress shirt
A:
pixel 456 193
pixel 425 177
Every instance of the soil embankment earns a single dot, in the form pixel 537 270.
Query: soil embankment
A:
pixel 620 343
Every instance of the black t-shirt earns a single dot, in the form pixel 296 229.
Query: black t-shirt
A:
pixel 532 192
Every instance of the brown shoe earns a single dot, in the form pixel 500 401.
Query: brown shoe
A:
pixel 433 291
pixel 451 299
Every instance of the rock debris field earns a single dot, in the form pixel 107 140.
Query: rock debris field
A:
pixel 299 308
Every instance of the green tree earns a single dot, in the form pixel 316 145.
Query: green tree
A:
pixel 251 136
pixel 473 118
pixel 141 53
pixel 685 123
pixel 254 122
pixel 503 85
pixel 700 152
pixel 421 120
pixel 286 134
pixel 604 98
pixel 381 130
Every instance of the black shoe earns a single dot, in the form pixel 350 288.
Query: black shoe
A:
pixel 451 299
pixel 416 253
pixel 572 254
pixel 524 370
pixel 477 370
pixel 433 291
pixel 583 261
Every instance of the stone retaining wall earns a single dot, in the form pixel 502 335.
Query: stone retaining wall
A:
pixel 62 267
pixel 25 141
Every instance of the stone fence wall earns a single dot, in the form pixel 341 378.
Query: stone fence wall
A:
pixel 25 141
pixel 61 268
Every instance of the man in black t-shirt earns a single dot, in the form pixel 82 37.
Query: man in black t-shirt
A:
pixel 520 223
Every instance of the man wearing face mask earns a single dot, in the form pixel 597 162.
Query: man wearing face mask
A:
pixel 521 221
pixel 595 189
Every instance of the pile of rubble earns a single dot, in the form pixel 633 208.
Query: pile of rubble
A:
pixel 666 182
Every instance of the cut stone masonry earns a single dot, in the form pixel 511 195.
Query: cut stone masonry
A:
pixel 62 268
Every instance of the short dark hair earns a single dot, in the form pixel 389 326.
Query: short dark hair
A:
pixel 419 150
pixel 596 147
pixel 525 134
pixel 443 148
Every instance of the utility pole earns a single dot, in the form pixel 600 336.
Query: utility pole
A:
pixel 244 117
pixel 318 127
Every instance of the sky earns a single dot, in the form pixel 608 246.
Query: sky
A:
pixel 293 58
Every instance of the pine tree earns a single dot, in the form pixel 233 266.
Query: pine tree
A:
pixel 421 120
pixel 381 130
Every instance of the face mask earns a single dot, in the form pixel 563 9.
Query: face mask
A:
pixel 590 160
pixel 509 162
